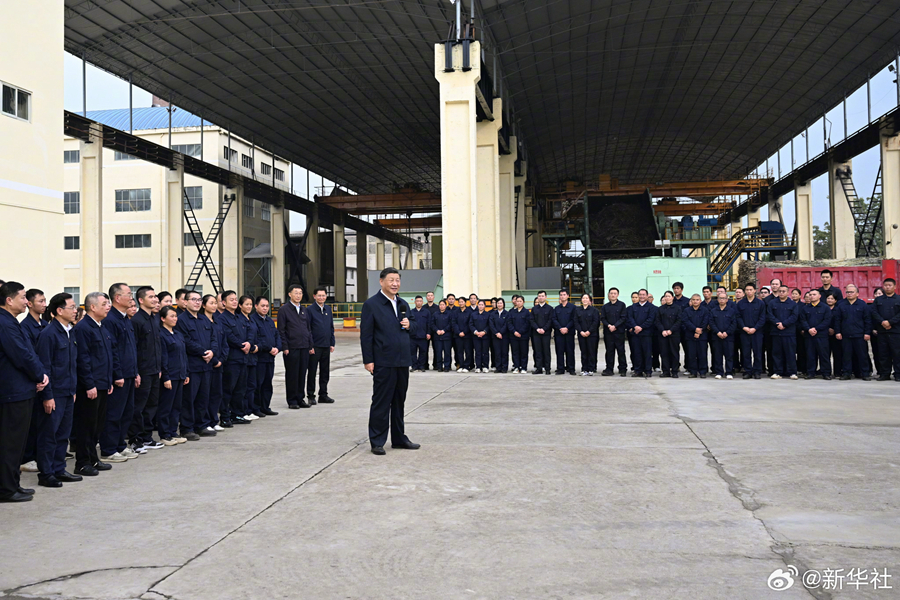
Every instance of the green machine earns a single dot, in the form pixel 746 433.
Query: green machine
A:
pixel 656 274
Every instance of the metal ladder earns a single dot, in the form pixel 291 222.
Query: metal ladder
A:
pixel 515 229
pixel 204 247
pixel 867 241
pixel 864 229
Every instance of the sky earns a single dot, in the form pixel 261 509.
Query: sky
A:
pixel 106 91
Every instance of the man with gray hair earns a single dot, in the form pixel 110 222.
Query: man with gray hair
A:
pixel 852 323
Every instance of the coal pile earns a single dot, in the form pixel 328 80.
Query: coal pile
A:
pixel 622 222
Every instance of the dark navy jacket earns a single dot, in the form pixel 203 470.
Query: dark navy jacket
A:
pixel 787 313
pixel 441 321
pixel 682 303
pixel 293 327
pixel 480 322
pixel 499 321
pixel 692 319
pixel 833 290
pixel 236 333
pixel 20 368
pixel 723 321
pixel 199 336
pixel 587 319
pixel 221 339
pixel 887 308
pixel 146 333
pixel 564 316
pixel 643 316
pixel 267 337
pixel 423 322
pixel 174 356
pixel 59 353
pixel 253 337
pixel 542 318
pixel 124 346
pixel 615 314
pixel 816 317
pixel 96 360
pixel 852 320
pixel 752 314
pixel 321 326
pixel 519 321
pixel 32 328
pixel 668 318
pixel 382 338
pixel 461 322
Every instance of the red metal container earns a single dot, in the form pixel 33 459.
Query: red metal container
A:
pixel 807 278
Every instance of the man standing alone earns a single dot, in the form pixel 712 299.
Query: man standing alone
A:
pixel 321 328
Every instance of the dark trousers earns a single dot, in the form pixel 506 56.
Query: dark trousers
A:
pixel 541 345
pixel 631 351
pixel 519 347
pixel 817 353
pixel 296 361
pixel 169 408
pixel 389 386
pixel 889 354
pixel 419 350
pixel 215 396
pixel 436 362
pixel 265 371
pixel 836 350
pixel 464 350
pixel 752 352
pixel 768 352
pixel 588 346
pixel 491 351
pixel 89 417
pixel 614 342
pixel 855 350
pixel 501 352
pixel 442 357
pixel 194 402
pixel 802 353
pixel 482 348
pixel 696 361
pixel 119 412
pixel 642 347
pixel 670 353
pixel 320 361
pixel 565 351
pixel 54 431
pixel 723 351
pixel 655 350
pixel 15 420
pixel 876 350
pixel 737 355
pixel 234 386
pixel 784 354
pixel 249 391
pixel 30 453
pixel 684 347
pixel 146 402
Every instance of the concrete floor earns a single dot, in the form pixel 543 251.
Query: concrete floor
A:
pixel 525 487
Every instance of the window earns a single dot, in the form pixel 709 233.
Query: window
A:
pixel 71 156
pixel 16 102
pixel 246 162
pixel 132 200
pixel 72 242
pixel 279 174
pixel 198 289
pixel 188 149
pixel 72 203
pixel 249 244
pixel 138 240
pixel 265 212
pixel 188 239
pixel 123 156
pixel 76 294
pixel 266 169
pixel 230 154
pixel 248 207
pixel 194 197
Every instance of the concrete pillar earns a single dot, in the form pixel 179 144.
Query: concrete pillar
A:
pixel 414 263
pixel 490 252
pixel 803 212
pixel 379 255
pixel 362 267
pixel 91 213
pixel 278 291
pixel 752 217
pixel 506 221
pixel 735 228
pixel 232 243
pixel 340 264
pixel 313 267
pixel 173 275
pixel 459 167
pixel 843 227
pixel 395 256
pixel 890 185
pixel 519 219
pixel 776 209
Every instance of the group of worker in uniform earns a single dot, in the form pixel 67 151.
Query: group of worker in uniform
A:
pixel 782 332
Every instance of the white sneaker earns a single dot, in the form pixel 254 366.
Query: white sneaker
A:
pixel 775 376
pixel 793 377
pixel 29 467
pixel 250 417
pixel 139 450
pixel 718 377
pixel 217 428
pixel 168 442
pixel 729 377
pixel 462 370
pixel 115 457
pixel 129 453
pixel 179 439
pixel 590 373
pixel 211 429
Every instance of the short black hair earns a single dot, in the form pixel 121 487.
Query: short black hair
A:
pixel 142 291
pixel 244 298
pixel 611 289
pixel 9 289
pixel 228 293
pixel 388 271
pixel 677 284
pixel 180 292
pixel 706 287
pixel 162 295
pixel 57 302
pixel 259 299
pixel 164 311
pixel 417 297
pixel 542 292
pixel 293 287
pixel 187 294
pixel 115 289
pixel 454 295
pixel 31 294
pixel 721 287
pixel 753 285
pixel 825 271
pixel 643 290
pixel 319 289
pixel 473 294
pixel 891 279
pixel 566 291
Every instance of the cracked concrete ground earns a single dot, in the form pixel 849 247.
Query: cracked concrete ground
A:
pixel 525 487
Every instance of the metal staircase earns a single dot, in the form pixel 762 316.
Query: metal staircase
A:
pixel 751 239
pixel 865 218
pixel 204 247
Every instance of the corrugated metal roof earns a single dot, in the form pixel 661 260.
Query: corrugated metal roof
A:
pixel 152 117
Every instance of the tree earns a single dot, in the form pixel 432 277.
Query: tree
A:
pixel 879 229
pixel 822 241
